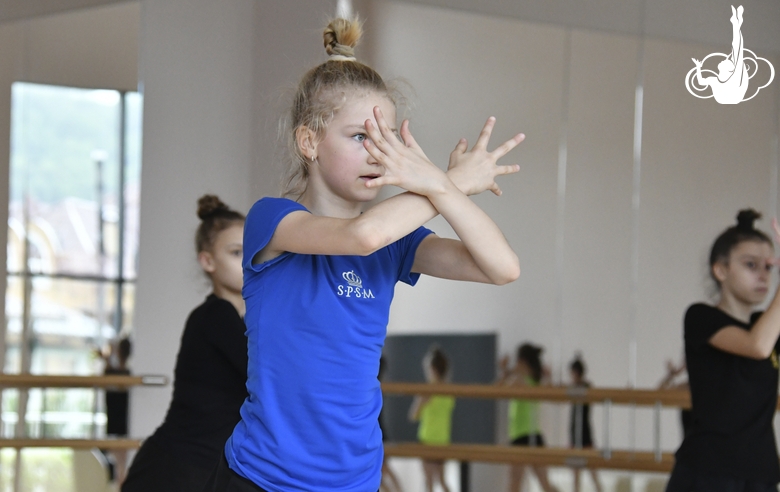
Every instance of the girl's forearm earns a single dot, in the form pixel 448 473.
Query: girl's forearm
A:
pixel 399 215
pixel 480 235
pixel 767 329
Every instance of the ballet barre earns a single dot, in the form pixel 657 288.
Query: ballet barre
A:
pixel 111 381
pixel 71 443
pixel 526 455
pixel 641 397
pixel 605 457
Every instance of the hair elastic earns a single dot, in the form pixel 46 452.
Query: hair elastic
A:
pixel 341 58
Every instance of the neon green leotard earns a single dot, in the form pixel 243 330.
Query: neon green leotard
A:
pixel 523 415
pixel 436 420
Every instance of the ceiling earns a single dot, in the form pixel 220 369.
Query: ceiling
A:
pixel 11 10
pixel 704 21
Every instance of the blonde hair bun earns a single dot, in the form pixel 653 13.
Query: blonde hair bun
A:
pixel 341 36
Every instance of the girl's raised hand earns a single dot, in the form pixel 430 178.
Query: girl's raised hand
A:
pixel 475 170
pixel 776 229
pixel 404 163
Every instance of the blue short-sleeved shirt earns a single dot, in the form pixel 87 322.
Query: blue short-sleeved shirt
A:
pixel 315 326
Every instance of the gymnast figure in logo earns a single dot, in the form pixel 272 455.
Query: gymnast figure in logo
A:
pixel 731 84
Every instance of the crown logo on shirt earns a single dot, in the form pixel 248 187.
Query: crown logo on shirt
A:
pixel 352 278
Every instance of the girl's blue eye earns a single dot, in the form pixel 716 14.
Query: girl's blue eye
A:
pixel 359 137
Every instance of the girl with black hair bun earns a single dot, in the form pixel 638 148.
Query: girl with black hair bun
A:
pixel 731 356
pixel 210 376
pixel 524 427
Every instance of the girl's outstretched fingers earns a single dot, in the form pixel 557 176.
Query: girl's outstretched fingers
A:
pixel 510 144
pixel 484 135
pixel 462 146
pixel 409 141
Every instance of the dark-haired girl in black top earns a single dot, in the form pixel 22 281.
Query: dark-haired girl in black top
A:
pixel 210 375
pixel 731 355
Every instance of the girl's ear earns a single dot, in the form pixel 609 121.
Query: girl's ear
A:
pixel 720 271
pixel 206 261
pixel 307 142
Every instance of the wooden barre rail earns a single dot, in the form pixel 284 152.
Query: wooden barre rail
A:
pixel 71 443
pixel 591 458
pixel 669 398
pixel 43 381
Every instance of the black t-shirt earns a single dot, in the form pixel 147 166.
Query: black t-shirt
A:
pixel 209 384
pixel 733 399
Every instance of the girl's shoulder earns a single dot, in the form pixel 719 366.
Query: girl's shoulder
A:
pixel 272 205
pixel 701 313
pixel 213 310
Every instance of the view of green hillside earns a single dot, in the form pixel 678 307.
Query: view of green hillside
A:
pixel 56 133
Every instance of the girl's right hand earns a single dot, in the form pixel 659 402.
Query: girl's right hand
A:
pixel 776 230
pixel 404 163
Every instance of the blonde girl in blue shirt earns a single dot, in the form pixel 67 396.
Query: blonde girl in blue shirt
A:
pixel 320 270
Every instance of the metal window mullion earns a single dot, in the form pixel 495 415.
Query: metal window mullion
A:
pixel 120 274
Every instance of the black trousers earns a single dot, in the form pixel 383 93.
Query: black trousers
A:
pixel 686 479
pixel 154 469
pixel 223 479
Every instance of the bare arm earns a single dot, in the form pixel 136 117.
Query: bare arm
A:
pixel 472 172
pixel 487 247
pixel 417 405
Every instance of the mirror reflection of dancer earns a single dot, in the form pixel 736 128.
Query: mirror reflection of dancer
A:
pixel 115 357
pixel 524 414
pixel 580 434
pixel 434 413
pixel 670 382
pixel 210 376
pixel 731 84
pixel 320 271
pixel 731 355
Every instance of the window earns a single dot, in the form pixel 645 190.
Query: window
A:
pixel 72 244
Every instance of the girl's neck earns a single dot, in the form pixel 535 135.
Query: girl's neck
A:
pixel 234 298
pixel 329 205
pixel 734 307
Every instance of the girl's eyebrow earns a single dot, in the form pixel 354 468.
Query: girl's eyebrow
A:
pixel 363 128
pixel 748 256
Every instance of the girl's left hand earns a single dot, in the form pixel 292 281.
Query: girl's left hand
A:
pixel 475 170
pixel 405 164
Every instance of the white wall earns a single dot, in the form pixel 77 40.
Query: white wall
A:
pixel 196 73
